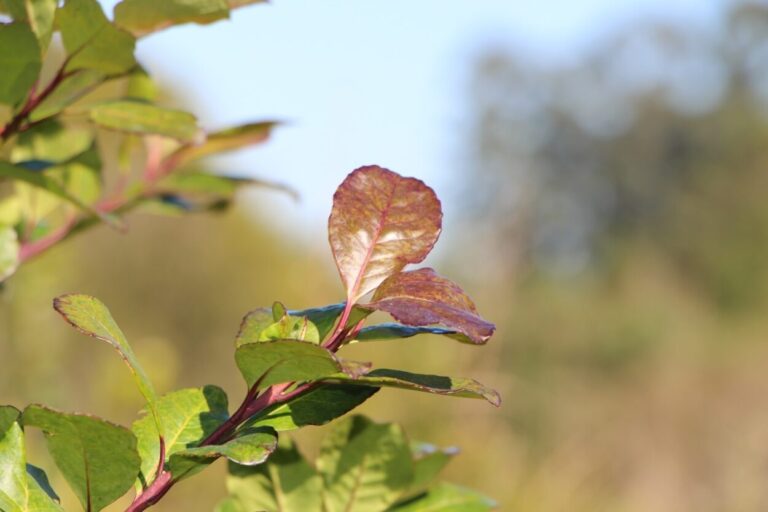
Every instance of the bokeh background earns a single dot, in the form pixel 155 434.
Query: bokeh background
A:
pixel 603 167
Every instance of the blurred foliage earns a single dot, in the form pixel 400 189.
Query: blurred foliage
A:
pixel 625 194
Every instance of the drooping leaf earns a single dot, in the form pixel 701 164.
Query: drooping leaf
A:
pixel 379 223
pixel 9 252
pixel 72 87
pixel 20 61
pixel 365 466
pixel 23 487
pixel 280 361
pixel 92 41
pixel 91 317
pixel 212 187
pixel 40 180
pixel 466 388
pixel 249 448
pixel 41 494
pixel 138 117
pixel 421 297
pixel 223 141
pixel 393 331
pixel 317 407
pixel 98 459
pixel 446 497
pixel 188 416
pixel 141 17
pixel 428 462
pixel 286 483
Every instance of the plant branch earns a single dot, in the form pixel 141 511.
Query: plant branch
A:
pixel 15 124
pixel 253 404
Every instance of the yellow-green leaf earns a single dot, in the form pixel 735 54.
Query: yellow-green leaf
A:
pixel 143 118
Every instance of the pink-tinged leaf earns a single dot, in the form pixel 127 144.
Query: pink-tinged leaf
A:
pixel 380 222
pixel 421 297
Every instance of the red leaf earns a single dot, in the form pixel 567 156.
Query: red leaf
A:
pixel 380 222
pixel 421 297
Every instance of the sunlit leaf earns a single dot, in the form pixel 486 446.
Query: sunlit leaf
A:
pixel 421 297
pixel 9 251
pixel 249 448
pixel 188 416
pixel 141 17
pixel 467 388
pixel 23 487
pixel 92 41
pixel 365 466
pixel 446 497
pixel 428 462
pixel 280 361
pixel 379 223
pixel 20 61
pixel 98 459
pixel 317 407
pixel 139 117
pixel 286 482
pixel 91 317
pixel 223 141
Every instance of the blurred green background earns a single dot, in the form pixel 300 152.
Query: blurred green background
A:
pixel 610 215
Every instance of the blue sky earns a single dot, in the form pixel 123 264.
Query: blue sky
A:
pixel 360 82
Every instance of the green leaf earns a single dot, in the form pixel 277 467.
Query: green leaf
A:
pixel 393 331
pixel 9 252
pixel 138 117
pixel 260 325
pixel 39 14
pixel 428 462
pixel 91 317
pixel 23 487
pixel 141 17
pixel 324 318
pixel 446 498
pixel 279 361
pixel 188 416
pixel 379 223
pixel 466 388
pixel 249 448
pixel 421 297
pixel 223 141
pixel 20 61
pixel 40 180
pixel 365 466
pixel 51 141
pixel 91 41
pixel 98 459
pixel 286 483
pixel 317 407
pixel 74 86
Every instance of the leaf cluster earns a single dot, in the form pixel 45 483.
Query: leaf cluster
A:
pixel 294 376
pixel 84 135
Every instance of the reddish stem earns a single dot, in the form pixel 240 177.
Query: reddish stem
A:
pixel 252 404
